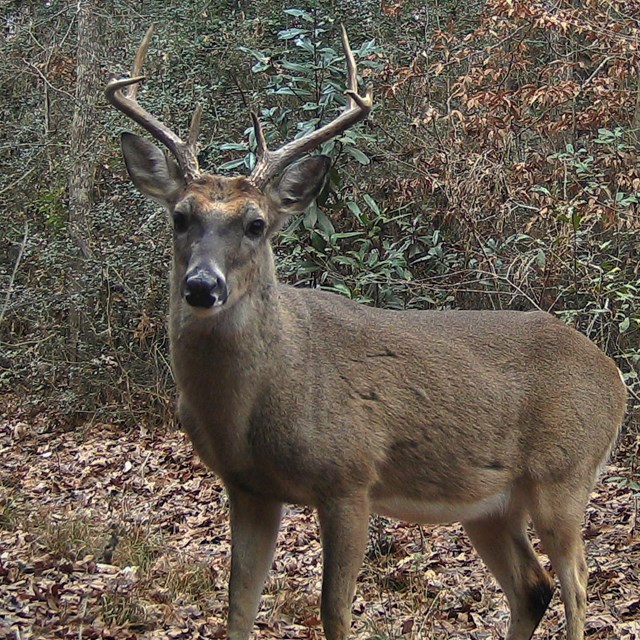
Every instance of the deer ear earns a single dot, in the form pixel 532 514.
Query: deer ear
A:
pixel 154 173
pixel 299 184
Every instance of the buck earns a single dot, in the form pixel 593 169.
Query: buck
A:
pixel 290 395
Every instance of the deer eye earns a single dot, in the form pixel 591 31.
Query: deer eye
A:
pixel 255 228
pixel 180 222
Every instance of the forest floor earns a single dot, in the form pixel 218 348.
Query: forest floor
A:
pixel 106 533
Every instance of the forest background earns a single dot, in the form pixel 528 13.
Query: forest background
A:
pixel 499 170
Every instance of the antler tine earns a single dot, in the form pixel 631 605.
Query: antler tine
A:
pixel 194 130
pixel 261 143
pixel 138 61
pixel 352 72
pixel 122 94
pixel 271 163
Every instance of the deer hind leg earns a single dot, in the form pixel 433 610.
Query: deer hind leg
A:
pixel 344 531
pixel 502 542
pixel 557 514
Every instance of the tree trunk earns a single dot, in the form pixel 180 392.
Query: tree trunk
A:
pixel 82 160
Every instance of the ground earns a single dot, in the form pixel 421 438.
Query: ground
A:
pixel 109 533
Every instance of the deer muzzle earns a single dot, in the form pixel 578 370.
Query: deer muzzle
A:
pixel 205 288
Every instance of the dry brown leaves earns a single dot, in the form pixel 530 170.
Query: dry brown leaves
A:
pixel 109 534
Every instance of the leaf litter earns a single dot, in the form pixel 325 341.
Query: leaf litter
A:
pixel 114 534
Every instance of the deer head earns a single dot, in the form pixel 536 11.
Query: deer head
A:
pixel 222 226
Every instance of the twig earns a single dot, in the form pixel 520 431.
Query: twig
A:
pixel 512 284
pixel 243 96
pixel 18 180
pixel 82 617
pixel 597 71
pixel 15 271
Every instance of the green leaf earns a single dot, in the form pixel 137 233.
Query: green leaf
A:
pixel 576 220
pixel 233 164
pixel 325 224
pixel 339 287
pixel 258 55
pixel 538 188
pixel 284 91
pixel 289 34
pixel 310 218
pixel 318 242
pixel 345 235
pixel 307 268
pixel 357 155
pixel 354 208
pixel 295 66
pixel 305 44
pixel 259 67
pixel 233 146
pixel 372 203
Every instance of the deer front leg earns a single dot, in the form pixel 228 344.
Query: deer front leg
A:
pixel 254 529
pixel 343 524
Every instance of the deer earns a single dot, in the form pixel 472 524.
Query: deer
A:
pixel 301 396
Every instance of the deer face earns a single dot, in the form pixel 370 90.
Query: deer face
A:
pixel 221 226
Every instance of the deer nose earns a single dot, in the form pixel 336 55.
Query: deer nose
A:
pixel 204 289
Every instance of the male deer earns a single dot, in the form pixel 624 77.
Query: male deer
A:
pixel 301 396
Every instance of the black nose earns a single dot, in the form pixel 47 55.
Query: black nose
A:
pixel 204 289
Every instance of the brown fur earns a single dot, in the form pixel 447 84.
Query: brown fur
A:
pixel 229 194
pixel 294 395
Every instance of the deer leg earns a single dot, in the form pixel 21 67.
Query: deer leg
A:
pixel 557 517
pixel 254 529
pixel 344 529
pixel 503 544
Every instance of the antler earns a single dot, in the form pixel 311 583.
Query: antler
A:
pixel 271 163
pixel 122 95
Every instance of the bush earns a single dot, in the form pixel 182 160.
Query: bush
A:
pixel 498 171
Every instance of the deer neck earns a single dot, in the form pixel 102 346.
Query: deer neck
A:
pixel 232 341
pixel 221 365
